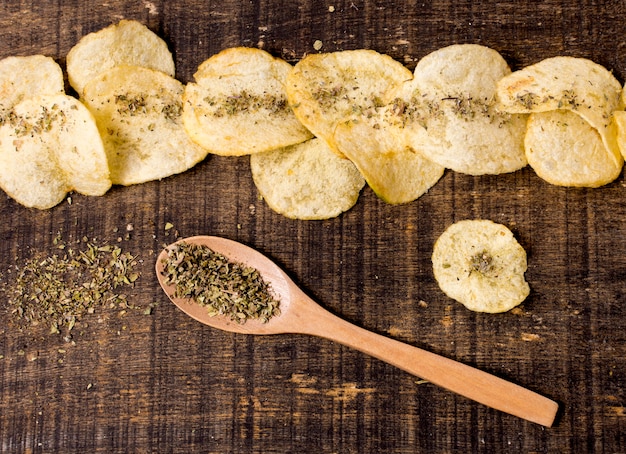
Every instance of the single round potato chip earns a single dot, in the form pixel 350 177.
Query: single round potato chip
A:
pixel 125 43
pixel 306 181
pixel 50 145
pixel 238 105
pixel 138 112
pixel 395 172
pixel 451 112
pixel 329 88
pixel 27 77
pixel 563 83
pixel 565 150
pixel 481 265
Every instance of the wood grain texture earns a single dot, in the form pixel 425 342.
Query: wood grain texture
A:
pixel 164 383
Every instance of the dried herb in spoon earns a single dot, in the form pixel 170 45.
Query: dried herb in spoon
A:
pixel 222 286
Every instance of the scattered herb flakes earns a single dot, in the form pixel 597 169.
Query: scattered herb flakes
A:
pixel 58 289
pixel 568 99
pixel 244 101
pixel 528 100
pixel 130 105
pixel 326 96
pixel 482 262
pixel 223 287
pixel 171 111
pixel 43 122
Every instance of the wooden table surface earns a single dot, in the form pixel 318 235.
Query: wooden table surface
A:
pixel 161 382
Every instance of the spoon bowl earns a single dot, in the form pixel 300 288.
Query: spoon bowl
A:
pixel 236 253
pixel 299 314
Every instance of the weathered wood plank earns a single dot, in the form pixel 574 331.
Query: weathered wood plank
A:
pixel 131 382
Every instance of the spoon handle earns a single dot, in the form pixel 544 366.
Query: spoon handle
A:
pixel 462 379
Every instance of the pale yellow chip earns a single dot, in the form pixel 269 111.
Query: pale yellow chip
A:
pixel 575 84
pixel 394 171
pixel 50 145
pixel 619 126
pixel 619 123
pixel 306 181
pixel 27 77
pixel 138 111
pixel 238 104
pixel 565 150
pixel 451 112
pixel 563 83
pixel 329 88
pixel 127 42
pixel 480 264
pixel 343 98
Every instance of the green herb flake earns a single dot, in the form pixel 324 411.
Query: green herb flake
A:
pixel 482 262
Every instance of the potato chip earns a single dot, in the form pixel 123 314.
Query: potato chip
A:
pixel 563 83
pixel 306 181
pixel 617 128
pixel 343 98
pixel 394 171
pixel 125 43
pixel 27 77
pixel 619 122
pixel 566 83
pixel 451 112
pixel 238 104
pixel 565 150
pixel 326 89
pixel 480 264
pixel 138 112
pixel 50 145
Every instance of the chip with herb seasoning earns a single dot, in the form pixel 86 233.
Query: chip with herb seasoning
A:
pixel 23 77
pixel 450 111
pixel 331 88
pixel 480 264
pixel 563 83
pixel 392 169
pixel 138 111
pixel 568 84
pixel 49 146
pixel 127 42
pixel 238 104
pixel 344 98
pixel 306 181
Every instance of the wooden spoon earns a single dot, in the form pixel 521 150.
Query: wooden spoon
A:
pixel 301 315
